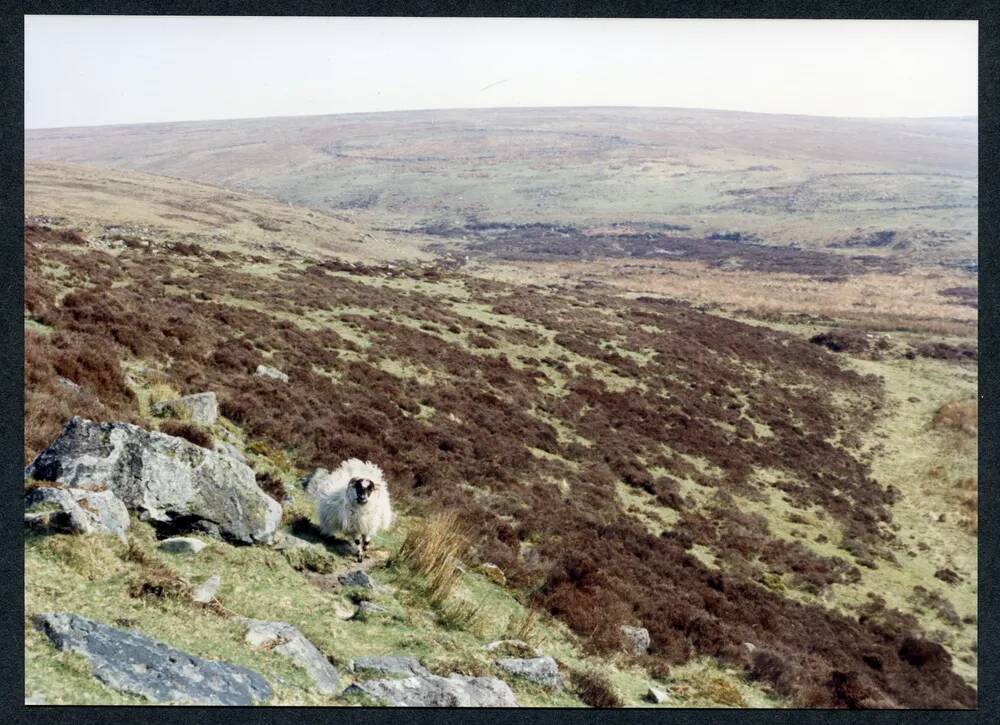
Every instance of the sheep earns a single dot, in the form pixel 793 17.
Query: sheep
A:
pixel 352 501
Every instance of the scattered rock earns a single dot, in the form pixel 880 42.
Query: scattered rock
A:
pixel 76 511
pixel 265 371
pixel 309 482
pixel 391 665
pixel 286 640
pixel 357 578
pixel 166 479
pixel 636 638
pixel 206 591
pixel 200 408
pixel 434 691
pixel 540 670
pixel 182 545
pixel 512 647
pixel 657 696
pixel 367 610
pixel 67 383
pixel 131 662
pixel 492 572
pixel 286 541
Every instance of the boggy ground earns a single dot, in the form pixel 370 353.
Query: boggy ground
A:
pixel 605 452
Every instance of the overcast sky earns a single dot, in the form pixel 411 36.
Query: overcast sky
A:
pixel 83 70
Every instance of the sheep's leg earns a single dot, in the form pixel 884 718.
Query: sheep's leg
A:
pixel 365 543
pixel 361 551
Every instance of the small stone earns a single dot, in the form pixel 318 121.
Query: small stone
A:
pixel 492 572
pixel 206 591
pixel 540 670
pixel 366 610
pixel 657 696
pixel 182 545
pixel 266 371
pixel 434 691
pixel 389 665
pixel 636 638
pixel 200 408
pixel 357 578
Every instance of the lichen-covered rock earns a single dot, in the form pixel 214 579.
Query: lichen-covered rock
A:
pixel 166 479
pixel 131 662
pixel 206 591
pixel 76 511
pixel 541 670
pixel 182 545
pixel 357 578
pixel 266 371
pixel 290 642
pixel 228 449
pixel 434 691
pixel 200 408
pixel 636 639
pixel 390 665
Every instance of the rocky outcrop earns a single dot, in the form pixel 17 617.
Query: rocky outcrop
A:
pixel 266 371
pixel 434 691
pixel 166 479
pixel 636 639
pixel 200 408
pixel 390 665
pixel 75 511
pixel 541 670
pixel 290 642
pixel 131 662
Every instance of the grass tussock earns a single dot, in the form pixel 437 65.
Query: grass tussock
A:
pixel 958 415
pixel 155 579
pixel 433 547
pixel 524 627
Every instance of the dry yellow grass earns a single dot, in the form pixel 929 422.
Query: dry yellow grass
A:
pixel 434 547
pixel 906 301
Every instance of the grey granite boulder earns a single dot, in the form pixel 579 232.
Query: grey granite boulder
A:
pixel 369 610
pixel 200 408
pixel 434 691
pixel 166 479
pixel 266 371
pixel 541 670
pixel 228 449
pixel 390 665
pixel 657 696
pixel 134 663
pixel 290 642
pixel 76 511
pixel 636 639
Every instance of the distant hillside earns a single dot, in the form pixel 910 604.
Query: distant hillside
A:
pixel 904 188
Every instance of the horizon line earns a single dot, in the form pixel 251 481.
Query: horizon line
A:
pixel 957 117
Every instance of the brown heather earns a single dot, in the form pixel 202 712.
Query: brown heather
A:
pixel 492 428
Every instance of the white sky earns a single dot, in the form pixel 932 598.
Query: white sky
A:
pixel 82 70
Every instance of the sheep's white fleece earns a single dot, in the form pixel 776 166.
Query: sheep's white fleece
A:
pixel 337 509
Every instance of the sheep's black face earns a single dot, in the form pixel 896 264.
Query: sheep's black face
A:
pixel 363 489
